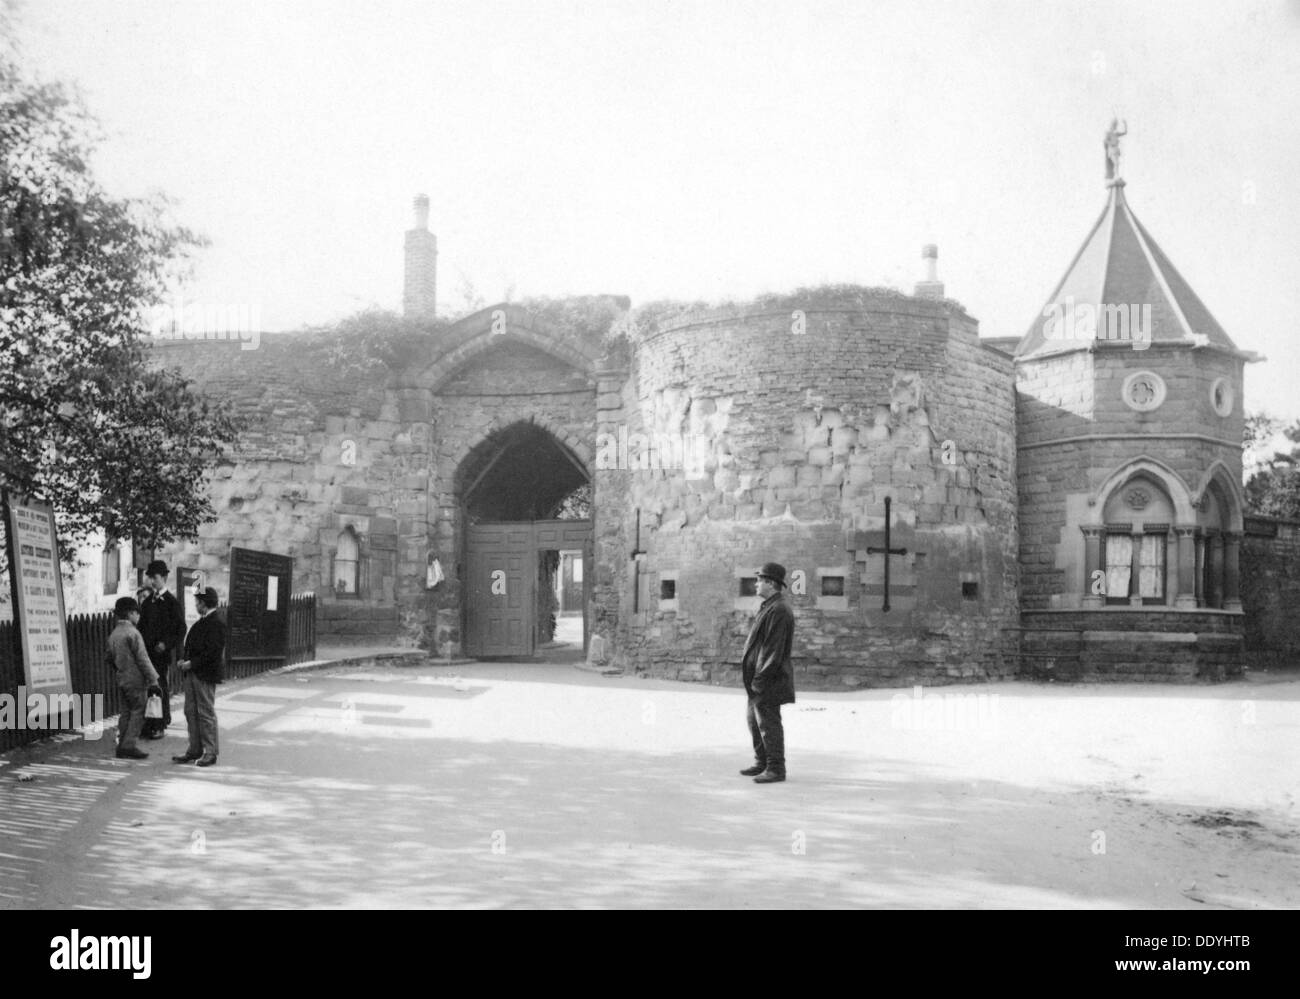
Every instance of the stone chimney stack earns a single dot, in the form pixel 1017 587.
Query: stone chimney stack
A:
pixel 931 287
pixel 419 294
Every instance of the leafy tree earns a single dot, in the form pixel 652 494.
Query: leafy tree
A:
pixel 575 506
pixel 1256 440
pixel 1273 483
pixel 87 423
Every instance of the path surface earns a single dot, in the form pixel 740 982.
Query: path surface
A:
pixel 541 785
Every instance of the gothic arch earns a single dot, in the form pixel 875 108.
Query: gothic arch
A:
pixel 580 449
pixel 489 327
pixel 1219 474
pixel 1171 481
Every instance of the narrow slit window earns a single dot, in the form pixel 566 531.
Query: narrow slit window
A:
pixel 112 566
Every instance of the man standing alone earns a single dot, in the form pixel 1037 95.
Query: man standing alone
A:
pixel 162 623
pixel 201 668
pixel 768 675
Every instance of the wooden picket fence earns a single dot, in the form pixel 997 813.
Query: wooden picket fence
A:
pixel 88 641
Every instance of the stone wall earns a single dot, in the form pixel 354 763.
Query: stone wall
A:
pixel 331 447
pixel 775 432
pixel 1124 644
pixel 1270 592
pixel 611 587
pixel 324 450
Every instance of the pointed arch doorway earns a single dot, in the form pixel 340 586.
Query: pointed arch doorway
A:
pixel 526 503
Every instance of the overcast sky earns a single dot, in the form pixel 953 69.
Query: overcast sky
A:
pixel 702 150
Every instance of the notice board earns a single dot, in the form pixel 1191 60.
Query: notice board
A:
pixel 38 595
pixel 257 622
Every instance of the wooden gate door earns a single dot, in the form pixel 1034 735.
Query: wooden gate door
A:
pixel 500 610
pixel 501 590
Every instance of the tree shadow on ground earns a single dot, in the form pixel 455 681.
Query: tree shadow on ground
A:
pixel 307 819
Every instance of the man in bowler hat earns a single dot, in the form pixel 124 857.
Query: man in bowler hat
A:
pixel 768 675
pixel 162 624
pixel 201 669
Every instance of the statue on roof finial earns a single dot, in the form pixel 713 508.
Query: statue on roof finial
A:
pixel 1117 131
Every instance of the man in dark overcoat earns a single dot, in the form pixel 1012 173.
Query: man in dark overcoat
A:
pixel 201 670
pixel 162 625
pixel 768 675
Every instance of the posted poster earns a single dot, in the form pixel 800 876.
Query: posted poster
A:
pixel 38 594
pixel 188 582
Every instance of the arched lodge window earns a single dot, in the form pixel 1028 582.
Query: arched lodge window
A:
pixel 1141 555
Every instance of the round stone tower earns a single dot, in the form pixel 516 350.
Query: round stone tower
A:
pixel 783 430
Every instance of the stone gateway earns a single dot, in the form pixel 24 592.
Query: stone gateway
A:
pixel 948 507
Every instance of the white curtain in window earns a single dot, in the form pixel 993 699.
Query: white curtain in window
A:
pixel 1151 568
pixel 1119 564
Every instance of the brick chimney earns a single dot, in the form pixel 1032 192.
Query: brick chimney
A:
pixel 931 287
pixel 419 294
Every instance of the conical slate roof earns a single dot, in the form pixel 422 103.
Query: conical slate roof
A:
pixel 1120 264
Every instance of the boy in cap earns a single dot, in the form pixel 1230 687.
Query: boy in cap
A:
pixel 768 675
pixel 135 675
pixel 201 668
pixel 162 625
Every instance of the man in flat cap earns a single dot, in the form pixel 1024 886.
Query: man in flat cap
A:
pixel 768 675
pixel 135 676
pixel 162 624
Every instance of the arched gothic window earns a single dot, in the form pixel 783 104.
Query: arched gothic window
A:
pixel 347 564
pixel 1135 545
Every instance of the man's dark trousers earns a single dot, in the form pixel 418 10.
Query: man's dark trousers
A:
pixel 765 729
pixel 162 621
pixel 131 718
